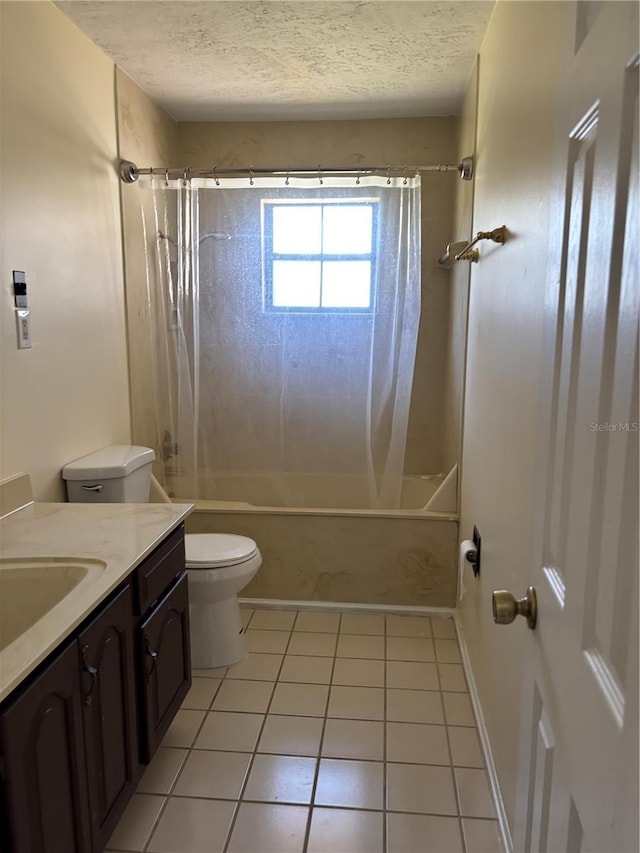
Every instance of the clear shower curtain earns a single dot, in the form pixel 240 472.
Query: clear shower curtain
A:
pixel 285 318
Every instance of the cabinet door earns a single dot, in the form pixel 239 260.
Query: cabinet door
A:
pixel 45 803
pixel 165 663
pixel 109 709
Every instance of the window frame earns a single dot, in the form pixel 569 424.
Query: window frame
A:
pixel 269 256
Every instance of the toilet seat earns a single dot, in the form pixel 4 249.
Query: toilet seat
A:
pixel 216 550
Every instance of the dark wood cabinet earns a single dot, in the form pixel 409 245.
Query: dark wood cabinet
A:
pixel 156 574
pixel 163 641
pixel 109 708
pixel 75 736
pixel 44 774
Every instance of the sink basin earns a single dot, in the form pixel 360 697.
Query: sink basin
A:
pixel 31 587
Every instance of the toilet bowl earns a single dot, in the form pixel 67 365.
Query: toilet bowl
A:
pixel 218 565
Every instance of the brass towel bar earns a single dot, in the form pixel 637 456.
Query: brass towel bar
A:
pixel 498 235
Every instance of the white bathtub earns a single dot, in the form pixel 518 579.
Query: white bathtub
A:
pixel 403 556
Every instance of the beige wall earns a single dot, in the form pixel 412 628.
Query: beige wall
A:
pixel 147 137
pixel 60 217
pixel 516 107
pixel 351 143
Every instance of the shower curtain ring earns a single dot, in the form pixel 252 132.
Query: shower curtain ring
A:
pixel 388 175
pixel 185 177
pixel 286 180
pixel 406 170
pixel 215 177
pixel 320 175
pixel 358 177
pixel 166 177
pixel 251 176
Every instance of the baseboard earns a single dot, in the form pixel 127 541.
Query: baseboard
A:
pixel 496 795
pixel 342 607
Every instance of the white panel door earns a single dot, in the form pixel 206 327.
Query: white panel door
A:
pixel 578 770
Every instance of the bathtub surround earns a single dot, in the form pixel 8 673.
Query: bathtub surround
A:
pixel 426 140
pixel 459 278
pixel 290 346
pixel 386 560
pixel 351 143
pixel 15 493
pixel 145 134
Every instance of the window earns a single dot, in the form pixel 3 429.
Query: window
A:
pixel 319 256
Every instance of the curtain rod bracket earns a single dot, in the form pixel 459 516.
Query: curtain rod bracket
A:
pixel 466 168
pixel 129 173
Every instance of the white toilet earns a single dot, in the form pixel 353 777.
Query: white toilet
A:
pixel 219 565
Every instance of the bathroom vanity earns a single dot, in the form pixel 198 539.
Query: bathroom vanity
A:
pixel 90 689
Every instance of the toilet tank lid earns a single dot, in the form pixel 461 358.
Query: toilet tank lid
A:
pixel 217 549
pixel 108 463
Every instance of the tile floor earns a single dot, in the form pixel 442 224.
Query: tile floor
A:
pixel 339 733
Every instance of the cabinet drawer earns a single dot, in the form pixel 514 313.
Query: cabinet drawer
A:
pixel 165 670
pixel 157 572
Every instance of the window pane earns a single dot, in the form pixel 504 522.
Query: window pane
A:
pixel 347 229
pixel 296 284
pixel 297 229
pixel 346 284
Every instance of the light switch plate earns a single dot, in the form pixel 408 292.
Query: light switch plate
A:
pixel 24 333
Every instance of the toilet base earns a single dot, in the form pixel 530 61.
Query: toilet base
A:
pixel 217 635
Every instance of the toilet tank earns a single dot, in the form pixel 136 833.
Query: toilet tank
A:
pixel 118 474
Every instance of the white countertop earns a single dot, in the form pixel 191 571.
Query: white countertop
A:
pixel 119 535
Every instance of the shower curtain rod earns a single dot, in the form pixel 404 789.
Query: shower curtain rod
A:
pixel 129 172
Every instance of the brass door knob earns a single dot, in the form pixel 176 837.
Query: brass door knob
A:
pixel 506 607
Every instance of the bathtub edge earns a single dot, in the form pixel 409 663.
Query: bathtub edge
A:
pixel 234 507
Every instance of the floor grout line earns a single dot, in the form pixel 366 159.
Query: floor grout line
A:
pixel 245 782
pixel 167 796
pixel 385 780
pixel 189 749
pixel 314 786
pixel 439 650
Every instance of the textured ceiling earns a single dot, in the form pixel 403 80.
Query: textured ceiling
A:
pixel 266 60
